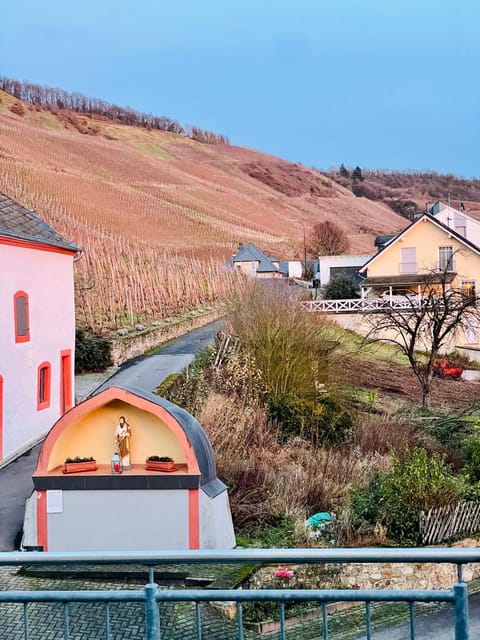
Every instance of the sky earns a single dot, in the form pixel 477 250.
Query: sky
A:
pixel 387 84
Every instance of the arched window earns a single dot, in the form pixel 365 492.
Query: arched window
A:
pixel 43 391
pixel 20 313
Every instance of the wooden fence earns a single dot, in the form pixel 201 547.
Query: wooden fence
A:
pixel 444 523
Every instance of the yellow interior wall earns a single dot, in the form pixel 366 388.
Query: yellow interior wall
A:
pixel 94 435
pixel 427 238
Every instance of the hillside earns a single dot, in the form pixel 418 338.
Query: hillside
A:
pixel 180 194
pixel 408 192
pixel 158 213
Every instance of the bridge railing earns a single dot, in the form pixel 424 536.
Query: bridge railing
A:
pixel 151 596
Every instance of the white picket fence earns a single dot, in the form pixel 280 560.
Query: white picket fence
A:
pixel 444 523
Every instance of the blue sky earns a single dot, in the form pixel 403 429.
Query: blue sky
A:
pixel 379 83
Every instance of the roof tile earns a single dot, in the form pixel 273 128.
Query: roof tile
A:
pixel 18 222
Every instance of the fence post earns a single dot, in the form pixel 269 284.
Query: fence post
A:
pixel 152 616
pixel 460 611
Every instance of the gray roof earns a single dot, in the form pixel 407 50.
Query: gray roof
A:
pixel 250 253
pixel 21 223
pixel 193 430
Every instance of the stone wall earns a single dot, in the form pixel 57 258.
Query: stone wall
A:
pixel 136 343
pixel 369 575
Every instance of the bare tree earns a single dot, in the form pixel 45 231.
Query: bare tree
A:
pixel 423 328
pixel 327 239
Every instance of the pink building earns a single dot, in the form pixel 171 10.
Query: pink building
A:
pixel 37 327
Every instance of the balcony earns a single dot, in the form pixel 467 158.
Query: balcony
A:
pixel 120 610
pixel 362 305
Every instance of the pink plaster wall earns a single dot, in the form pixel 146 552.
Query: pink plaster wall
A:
pixel 47 278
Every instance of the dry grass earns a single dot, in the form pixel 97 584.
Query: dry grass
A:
pixel 268 480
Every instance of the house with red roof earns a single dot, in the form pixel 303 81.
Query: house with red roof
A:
pixel 37 327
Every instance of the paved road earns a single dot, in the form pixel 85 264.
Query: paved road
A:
pixel 145 372
pixel 437 625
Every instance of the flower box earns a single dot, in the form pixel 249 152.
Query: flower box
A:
pixel 79 467
pixel 152 465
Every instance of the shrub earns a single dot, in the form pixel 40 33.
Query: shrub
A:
pixel 472 459
pixel 340 287
pixel 92 352
pixel 290 347
pixel 18 109
pixel 317 420
pixel 418 481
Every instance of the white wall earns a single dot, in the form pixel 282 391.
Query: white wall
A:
pixel 449 217
pixel 120 520
pixel 47 278
pixel 327 262
pixel 216 526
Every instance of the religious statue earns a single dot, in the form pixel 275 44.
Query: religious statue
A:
pixel 123 434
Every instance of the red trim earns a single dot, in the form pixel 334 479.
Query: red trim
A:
pixel 44 403
pixel 42 529
pixel 26 244
pixel 193 519
pixel 65 380
pixel 19 338
pixel 102 399
pixel 1 418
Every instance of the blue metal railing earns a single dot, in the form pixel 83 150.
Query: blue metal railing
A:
pixel 153 599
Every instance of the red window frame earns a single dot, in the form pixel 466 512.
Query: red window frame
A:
pixel 44 381
pixel 19 337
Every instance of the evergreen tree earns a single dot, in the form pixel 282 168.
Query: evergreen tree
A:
pixel 357 173
pixel 343 171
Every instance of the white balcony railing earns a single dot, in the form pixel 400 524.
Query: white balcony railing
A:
pixel 361 305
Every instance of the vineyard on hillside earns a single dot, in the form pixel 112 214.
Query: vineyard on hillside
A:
pixel 157 213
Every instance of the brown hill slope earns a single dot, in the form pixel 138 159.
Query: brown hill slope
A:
pixel 129 195
pixel 177 192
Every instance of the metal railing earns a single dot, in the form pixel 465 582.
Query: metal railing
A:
pixel 153 599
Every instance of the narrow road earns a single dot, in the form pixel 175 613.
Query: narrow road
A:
pixel 146 372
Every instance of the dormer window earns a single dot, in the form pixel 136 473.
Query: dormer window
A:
pixel 21 317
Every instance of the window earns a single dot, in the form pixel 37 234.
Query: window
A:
pixel 43 392
pixel 20 312
pixel 445 259
pixel 469 288
pixel 408 260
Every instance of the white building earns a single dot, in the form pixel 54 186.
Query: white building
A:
pixel 458 220
pixel 37 327
pixel 330 266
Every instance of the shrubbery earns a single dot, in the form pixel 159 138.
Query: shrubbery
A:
pixel 321 421
pixel 92 352
pixel 418 481
pixel 340 287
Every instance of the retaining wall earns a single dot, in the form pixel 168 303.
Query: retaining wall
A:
pixel 136 344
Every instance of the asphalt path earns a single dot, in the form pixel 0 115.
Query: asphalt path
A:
pixel 437 625
pixel 146 372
